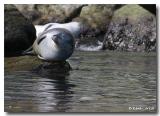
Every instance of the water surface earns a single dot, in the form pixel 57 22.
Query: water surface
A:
pixel 99 82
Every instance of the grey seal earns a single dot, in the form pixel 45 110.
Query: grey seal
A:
pixel 54 45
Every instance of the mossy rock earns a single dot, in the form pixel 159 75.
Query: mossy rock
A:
pixel 21 63
pixel 133 12
pixel 132 28
pixel 33 64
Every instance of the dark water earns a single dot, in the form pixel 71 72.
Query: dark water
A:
pixel 99 82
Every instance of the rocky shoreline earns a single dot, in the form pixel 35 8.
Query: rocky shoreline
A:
pixel 118 27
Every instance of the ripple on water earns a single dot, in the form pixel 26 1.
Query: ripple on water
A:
pixel 99 82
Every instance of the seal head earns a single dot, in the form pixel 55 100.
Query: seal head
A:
pixel 54 45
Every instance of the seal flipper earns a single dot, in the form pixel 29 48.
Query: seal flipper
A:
pixel 40 57
pixel 29 51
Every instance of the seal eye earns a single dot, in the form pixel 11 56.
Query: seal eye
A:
pixel 40 40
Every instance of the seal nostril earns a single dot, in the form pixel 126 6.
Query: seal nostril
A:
pixel 55 39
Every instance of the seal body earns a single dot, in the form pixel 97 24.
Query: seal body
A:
pixel 54 45
pixel 73 27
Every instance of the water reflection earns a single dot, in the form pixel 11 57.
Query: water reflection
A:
pixel 37 92
pixel 61 93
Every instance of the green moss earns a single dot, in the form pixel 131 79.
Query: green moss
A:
pixel 132 11
pixel 21 63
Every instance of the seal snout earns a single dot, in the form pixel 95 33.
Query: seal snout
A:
pixel 56 38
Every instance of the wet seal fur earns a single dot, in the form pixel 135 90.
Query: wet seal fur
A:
pixel 75 28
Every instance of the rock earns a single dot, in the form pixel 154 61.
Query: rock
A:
pixel 95 18
pixel 19 31
pixel 132 29
pixel 42 14
pixel 60 69
pixel 33 64
pixel 21 63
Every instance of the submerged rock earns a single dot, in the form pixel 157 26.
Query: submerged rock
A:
pixel 18 31
pixel 58 69
pixel 132 29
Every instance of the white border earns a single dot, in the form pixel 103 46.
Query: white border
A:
pixel 58 2
pixel 80 1
pixel 1 59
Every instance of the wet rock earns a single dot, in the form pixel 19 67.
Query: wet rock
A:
pixel 35 65
pixel 19 31
pixel 21 63
pixel 58 69
pixel 132 29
